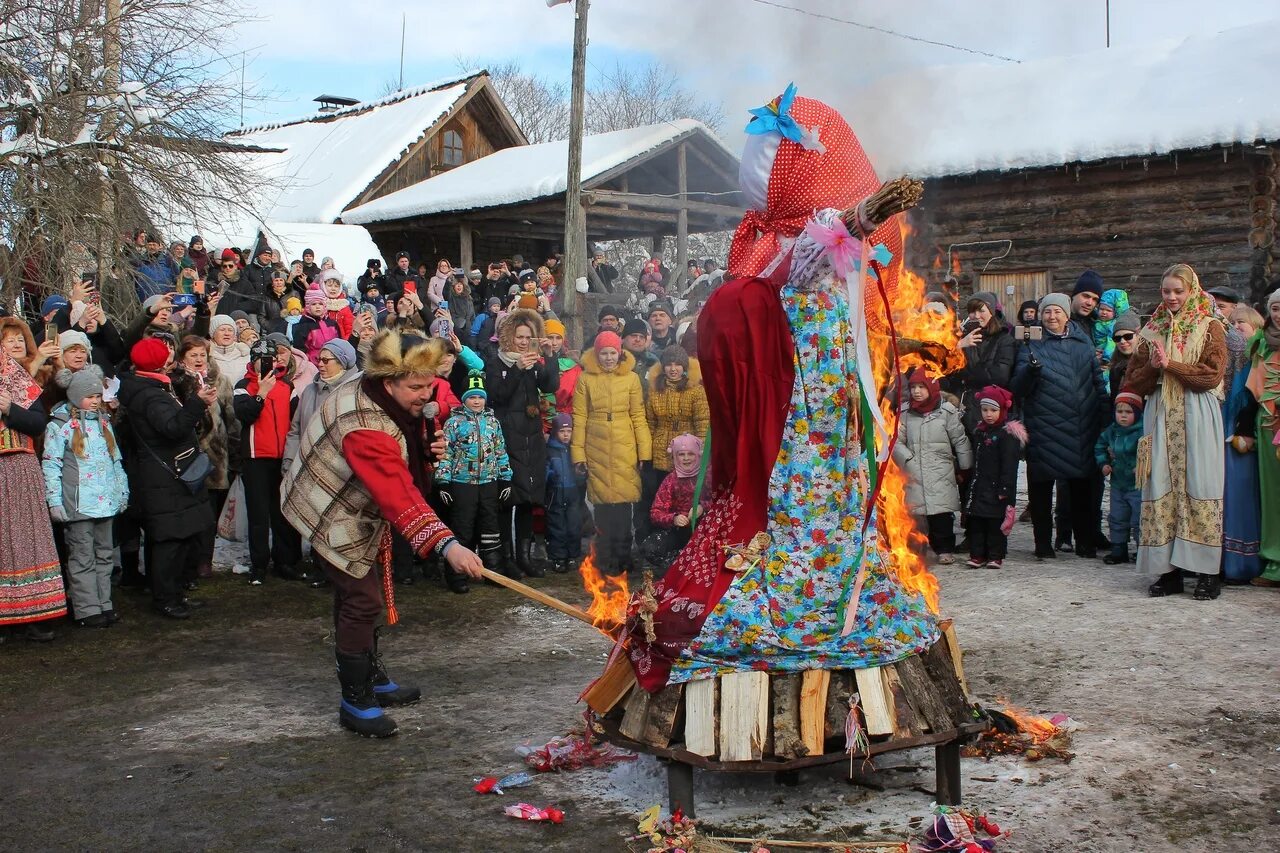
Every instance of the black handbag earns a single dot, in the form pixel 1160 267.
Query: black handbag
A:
pixel 197 470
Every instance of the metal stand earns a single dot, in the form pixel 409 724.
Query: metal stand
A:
pixel 947 760
pixel 680 787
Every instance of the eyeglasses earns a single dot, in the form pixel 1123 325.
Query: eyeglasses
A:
pixel 325 360
pixel 1125 336
pixel 227 265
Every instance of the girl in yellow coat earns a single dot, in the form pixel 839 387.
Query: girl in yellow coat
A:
pixel 610 440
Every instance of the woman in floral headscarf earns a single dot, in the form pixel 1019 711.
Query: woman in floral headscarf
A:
pixel 31 588
pixel 1264 384
pixel 1179 365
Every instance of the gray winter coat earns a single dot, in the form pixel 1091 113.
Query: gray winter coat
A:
pixel 929 450
pixel 309 402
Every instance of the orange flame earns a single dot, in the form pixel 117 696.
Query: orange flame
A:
pixel 609 596
pixel 955 266
pixel 904 543
pixel 1038 728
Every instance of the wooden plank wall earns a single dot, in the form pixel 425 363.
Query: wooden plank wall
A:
pixel 1128 220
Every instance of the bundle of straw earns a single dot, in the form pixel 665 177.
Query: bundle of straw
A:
pixel 892 198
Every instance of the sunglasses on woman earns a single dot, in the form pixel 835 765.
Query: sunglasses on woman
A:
pixel 1121 338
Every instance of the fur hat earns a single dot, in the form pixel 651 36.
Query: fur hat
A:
pixel 1059 299
pixel 1132 399
pixel 513 320
pixel 475 385
pixel 528 301
pixel 674 354
pixel 83 383
pixel 607 339
pixel 71 338
pixel 394 355
pixel 330 274
pixel 149 354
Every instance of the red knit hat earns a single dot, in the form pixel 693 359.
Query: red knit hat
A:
pixel 1127 396
pixel 229 255
pixel 149 354
pixel 608 339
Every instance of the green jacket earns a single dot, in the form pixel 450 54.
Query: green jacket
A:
pixel 1118 447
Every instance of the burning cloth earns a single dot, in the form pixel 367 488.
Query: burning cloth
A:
pixel 771 578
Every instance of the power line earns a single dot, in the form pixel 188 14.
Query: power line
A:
pixel 886 31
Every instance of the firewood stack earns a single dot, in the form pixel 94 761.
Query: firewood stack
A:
pixel 769 721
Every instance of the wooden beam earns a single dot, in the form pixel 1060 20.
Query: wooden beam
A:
pixel 730 177
pixel 608 690
pixel 663 714
pixel 637 161
pixel 682 219
pixel 875 701
pixel 744 715
pixel 787 742
pixel 906 723
pixel 635 714
pixel 922 694
pixel 658 202
pixel 464 243
pixel 953 648
pixel 701 716
pixel 813 709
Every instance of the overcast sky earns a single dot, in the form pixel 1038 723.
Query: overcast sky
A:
pixel 735 52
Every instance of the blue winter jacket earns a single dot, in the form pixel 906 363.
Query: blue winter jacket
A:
pixel 564 484
pixel 92 486
pixel 1064 404
pixel 477 452
pixel 154 275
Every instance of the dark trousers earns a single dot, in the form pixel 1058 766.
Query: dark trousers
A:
pixel 650 481
pixel 474 516
pixel 613 536
pixel 564 528
pixel 662 547
pixel 168 562
pixel 217 499
pixel 1079 513
pixel 517 525
pixel 986 541
pixel 270 536
pixel 941 527
pixel 357 607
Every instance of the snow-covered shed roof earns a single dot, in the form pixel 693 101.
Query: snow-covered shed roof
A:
pixel 329 158
pixel 526 172
pixel 1207 89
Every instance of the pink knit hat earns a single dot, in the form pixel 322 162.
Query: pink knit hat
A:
pixel 682 443
pixel 315 294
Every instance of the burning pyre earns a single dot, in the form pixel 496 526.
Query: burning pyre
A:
pixel 1019 732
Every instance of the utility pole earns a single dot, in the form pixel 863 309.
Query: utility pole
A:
pixel 1108 23
pixel 106 236
pixel 403 24
pixel 575 219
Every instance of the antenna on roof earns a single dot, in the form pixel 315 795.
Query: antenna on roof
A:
pixel 332 103
pixel 402 27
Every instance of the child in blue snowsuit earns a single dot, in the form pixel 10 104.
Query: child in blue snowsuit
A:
pixel 475 476
pixel 1116 453
pixel 564 498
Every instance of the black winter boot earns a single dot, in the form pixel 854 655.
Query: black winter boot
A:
pixel 1169 583
pixel 386 691
pixel 457 581
pixel 130 577
pixel 1119 554
pixel 1208 587
pixel 359 710
pixel 560 567
pixel 524 559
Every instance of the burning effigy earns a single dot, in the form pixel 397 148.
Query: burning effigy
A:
pixel 800 623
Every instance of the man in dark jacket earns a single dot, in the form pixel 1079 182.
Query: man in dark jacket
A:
pixel 636 340
pixel 400 276
pixel 372 275
pixel 162 435
pixel 662 325
pixel 1084 301
pixel 309 268
pixel 154 272
pixel 249 288
pixel 1064 405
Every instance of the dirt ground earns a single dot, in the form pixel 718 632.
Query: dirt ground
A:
pixel 220 733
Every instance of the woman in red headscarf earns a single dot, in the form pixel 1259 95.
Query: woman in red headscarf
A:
pixel 782 359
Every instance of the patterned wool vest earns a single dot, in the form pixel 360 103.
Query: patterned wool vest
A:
pixel 321 497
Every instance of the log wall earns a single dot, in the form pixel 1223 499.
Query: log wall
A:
pixel 1127 219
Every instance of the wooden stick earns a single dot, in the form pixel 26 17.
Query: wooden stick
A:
pixel 540 597
pixel 814 845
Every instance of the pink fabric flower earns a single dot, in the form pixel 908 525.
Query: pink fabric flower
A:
pixel 837 243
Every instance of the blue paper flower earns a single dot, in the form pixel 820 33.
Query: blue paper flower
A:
pixel 775 117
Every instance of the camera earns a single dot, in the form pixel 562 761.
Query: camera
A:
pixel 970 325
pixel 184 300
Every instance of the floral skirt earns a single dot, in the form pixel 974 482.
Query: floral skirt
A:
pixel 30 577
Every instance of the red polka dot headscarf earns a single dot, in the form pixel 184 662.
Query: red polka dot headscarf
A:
pixel 804 178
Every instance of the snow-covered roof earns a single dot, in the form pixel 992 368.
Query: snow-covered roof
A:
pixel 350 246
pixel 1204 90
pixel 330 158
pixel 523 173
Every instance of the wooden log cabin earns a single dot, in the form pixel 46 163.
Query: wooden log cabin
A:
pixel 1123 161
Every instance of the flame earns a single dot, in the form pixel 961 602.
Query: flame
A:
pixel 1039 729
pixel 609 596
pixel 955 266
pixel 927 339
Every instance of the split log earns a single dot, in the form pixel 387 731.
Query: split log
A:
pixel 701 716
pixel 635 714
pixel 814 685
pixel 744 715
pixel 663 712
pixel 787 742
pixel 922 695
pixel 957 654
pixel 611 686
pixel 937 662
pixel 838 694
pixel 876 702
pixel 906 723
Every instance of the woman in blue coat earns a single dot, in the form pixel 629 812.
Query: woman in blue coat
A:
pixel 1064 406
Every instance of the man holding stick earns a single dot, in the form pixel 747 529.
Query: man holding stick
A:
pixel 363 467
